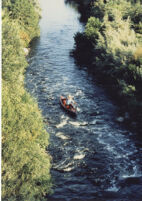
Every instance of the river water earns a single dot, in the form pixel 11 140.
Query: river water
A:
pixel 93 157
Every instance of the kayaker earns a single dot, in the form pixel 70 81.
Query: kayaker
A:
pixel 70 101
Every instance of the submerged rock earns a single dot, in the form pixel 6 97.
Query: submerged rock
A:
pixel 127 116
pixel 120 119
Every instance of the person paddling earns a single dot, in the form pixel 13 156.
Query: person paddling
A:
pixel 70 101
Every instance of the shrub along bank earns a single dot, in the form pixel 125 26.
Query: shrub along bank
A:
pixel 112 46
pixel 25 163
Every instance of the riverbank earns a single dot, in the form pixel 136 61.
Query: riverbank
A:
pixel 25 161
pixel 111 48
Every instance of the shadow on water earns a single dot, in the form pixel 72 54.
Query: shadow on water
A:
pixel 82 7
pixel 70 114
pixel 33 46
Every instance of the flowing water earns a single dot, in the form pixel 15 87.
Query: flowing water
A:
pixel 92 156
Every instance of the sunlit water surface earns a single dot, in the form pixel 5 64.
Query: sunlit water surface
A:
pixel 93 157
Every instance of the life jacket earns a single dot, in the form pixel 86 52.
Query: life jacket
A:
pixel 64 101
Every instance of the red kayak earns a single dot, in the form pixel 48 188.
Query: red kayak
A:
pixel 70 108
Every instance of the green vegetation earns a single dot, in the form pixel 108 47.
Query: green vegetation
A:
pixel 112 44
pixel 25 163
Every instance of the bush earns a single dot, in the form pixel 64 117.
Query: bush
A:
pixel 25 163
pixel 26 15
pixel 92 29
pixel 114 35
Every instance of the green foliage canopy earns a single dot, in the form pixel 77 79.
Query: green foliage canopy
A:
pixel 92 28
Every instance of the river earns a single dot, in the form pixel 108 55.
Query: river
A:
pixel 93 157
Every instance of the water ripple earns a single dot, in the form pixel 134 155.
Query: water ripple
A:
pixel 92 156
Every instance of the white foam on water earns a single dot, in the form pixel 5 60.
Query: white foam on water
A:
pixel 122 149
pixel 63 116
pixel 63 123
pixel 136 173
pixel 78 156
pixel 62 136
pixel 113 188
pixel 117 154
pixel 65 167
pixel 68 169
pixel 77 124
pixel 79 92
pixel 60 164
pixel 68 165
pixel 78 109
pixel 74 123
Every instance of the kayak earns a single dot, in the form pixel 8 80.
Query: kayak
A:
pixel 70 108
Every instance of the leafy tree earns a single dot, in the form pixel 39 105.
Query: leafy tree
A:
pixel 114 30
pixel 92 28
